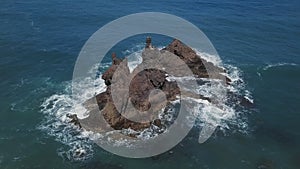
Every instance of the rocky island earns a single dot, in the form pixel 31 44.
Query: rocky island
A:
pixel 104 114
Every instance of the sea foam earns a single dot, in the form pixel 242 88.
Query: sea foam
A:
pixel 278 65
pixel 57 106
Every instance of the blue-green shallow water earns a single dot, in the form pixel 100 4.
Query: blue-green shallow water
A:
pixel 40 41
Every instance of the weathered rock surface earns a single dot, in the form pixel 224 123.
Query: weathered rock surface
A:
pixel 141 85
pixel 200 67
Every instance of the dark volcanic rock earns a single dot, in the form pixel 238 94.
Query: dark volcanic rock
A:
pixel 200 67
pixel 107 76
pixel 144 82
pixel 74 119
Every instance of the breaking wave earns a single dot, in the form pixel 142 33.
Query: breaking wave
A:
pixel 228 117
pixel 267 67
pixel 278 65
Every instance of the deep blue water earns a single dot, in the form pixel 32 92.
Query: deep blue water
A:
pixel 40 41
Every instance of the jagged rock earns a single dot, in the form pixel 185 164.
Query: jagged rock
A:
pixel 107 76
pixel 74 119
pixel 142 83
pixel 199 67
pixel 148 42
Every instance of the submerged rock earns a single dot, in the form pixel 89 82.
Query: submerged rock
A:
pixel 266 164
pixel 74 119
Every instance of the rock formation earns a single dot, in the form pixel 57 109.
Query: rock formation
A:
pixel 74 119
pixel 140 87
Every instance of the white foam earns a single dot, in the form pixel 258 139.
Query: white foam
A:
pixel 209 58
pixel 248 96
pixel 279 64
pixel 57 106
pixel 136 48
pixel 224 114
pixel 134 56
pixel 134 59
pixel 233 73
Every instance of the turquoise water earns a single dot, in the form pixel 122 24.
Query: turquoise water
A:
pixel 39 44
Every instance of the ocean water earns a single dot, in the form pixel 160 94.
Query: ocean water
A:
pixel 259 42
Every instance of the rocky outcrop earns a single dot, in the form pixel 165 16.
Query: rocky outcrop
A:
pixel 142 83
pixel 200 67
pixel 74 119
pixel 107 76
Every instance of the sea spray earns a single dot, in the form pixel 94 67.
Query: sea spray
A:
pixel 57 106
